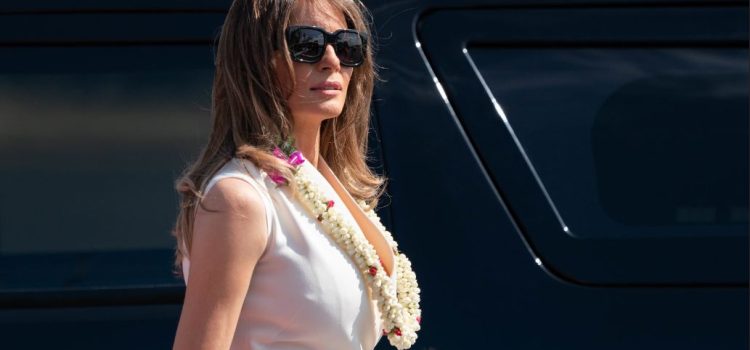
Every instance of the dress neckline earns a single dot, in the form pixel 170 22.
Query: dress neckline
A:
pixel 373 228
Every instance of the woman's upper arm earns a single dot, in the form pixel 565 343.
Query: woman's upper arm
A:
pixel 225 249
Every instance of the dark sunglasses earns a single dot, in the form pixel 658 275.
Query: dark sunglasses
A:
pixel 308 44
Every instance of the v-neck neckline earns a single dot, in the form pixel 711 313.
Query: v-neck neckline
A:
pixel 331 187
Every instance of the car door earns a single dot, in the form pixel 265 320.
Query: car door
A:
pixel 569 176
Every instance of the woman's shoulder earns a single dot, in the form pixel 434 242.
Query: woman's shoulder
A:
pixel 241 169
pixel 246 186
pixel 232 217
pixel 231 194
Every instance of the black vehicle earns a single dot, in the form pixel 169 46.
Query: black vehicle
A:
pixel 562 175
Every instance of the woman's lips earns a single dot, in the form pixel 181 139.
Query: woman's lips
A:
pixel 327 85
pixel 327 88
pixel 327 92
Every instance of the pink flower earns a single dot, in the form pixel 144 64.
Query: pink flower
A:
pixel 296 158
pixel 279 153
pixel 329 204
pixel 277 178
pixel 293 159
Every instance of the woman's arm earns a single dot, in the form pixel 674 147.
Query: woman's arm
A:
pixel 226 247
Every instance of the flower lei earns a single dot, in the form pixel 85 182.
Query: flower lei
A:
pixel 400 312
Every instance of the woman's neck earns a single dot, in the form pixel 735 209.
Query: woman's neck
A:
pixel 307 141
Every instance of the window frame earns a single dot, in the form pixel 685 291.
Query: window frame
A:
pixel 669 261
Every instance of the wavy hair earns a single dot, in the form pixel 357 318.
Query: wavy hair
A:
pixel 249 110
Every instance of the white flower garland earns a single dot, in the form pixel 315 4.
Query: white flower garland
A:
pixel 400 313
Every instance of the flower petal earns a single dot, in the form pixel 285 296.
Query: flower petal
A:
pixel 296 158
pixel 277 178
pixel 279 153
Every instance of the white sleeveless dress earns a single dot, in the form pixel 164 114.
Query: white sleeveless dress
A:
pixel 305 292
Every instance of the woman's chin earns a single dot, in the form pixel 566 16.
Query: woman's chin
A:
pixel 325 112
pixel 331 108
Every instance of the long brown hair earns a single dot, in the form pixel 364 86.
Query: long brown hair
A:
pixel 249 111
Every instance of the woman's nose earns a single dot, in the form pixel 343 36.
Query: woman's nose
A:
pixel 329 59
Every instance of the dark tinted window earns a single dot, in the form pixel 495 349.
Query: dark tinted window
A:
pixel 631 142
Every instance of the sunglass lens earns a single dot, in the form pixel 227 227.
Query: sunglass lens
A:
pixel 306 45
pixel 349 48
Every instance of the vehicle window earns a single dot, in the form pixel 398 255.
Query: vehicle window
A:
pixel 631 142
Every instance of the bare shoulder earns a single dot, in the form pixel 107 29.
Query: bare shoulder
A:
pixel 232 195
pixel 228 241
pixel 231 221
pixel 230 227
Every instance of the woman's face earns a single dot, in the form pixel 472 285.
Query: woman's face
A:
pixel 309 104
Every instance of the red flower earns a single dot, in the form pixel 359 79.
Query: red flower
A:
pixel 329 204
pixel 373 270
pixel 398 332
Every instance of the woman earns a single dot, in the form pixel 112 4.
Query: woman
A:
pixel 276 233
